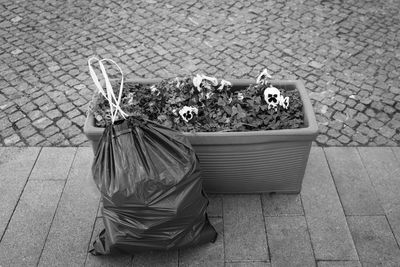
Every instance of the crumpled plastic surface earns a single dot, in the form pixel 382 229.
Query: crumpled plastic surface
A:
pixel 151 187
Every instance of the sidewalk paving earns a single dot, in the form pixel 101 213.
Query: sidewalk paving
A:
pixel 348 214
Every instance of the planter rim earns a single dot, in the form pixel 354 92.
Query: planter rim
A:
pixel 310 130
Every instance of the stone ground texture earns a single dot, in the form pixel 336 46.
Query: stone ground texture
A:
pixel 346 52
pixel 347 214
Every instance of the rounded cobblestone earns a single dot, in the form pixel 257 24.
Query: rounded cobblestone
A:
pixel 346 52
pixel 344 139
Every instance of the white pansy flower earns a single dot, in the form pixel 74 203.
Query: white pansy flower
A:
pixel 223 84
pixel 274 98
pixel 197 80
pixel 212 80
pixel 178 82
pixel 187 113
pixel 130 97
pixel 154 90
pixel 284 102
pixel 262 78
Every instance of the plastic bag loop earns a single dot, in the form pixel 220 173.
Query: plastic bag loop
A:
pixel 113 101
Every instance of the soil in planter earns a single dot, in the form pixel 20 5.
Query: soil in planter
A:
pixel 226 109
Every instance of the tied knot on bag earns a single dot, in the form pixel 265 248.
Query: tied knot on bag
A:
pixel 134 122
pixel 129 126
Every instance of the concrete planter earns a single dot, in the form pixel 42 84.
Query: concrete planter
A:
pixel 248 162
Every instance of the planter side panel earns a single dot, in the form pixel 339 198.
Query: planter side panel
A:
pixel 255 168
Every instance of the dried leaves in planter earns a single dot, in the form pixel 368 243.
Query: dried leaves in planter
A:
pixel 206 105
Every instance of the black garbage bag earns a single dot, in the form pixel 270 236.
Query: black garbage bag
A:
pixel 151 188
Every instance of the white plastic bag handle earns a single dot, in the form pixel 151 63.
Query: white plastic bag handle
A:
pixel 109 93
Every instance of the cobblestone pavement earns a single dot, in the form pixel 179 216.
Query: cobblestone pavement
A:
pixel 346 52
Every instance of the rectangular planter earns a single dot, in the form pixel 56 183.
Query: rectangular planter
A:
pixel 248 162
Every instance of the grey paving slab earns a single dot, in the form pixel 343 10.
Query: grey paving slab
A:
pixel 384 171
pixel 355 189
pixel 26 234
pixel 248 264
pixel 156 259
pixel 53 163
pixel 211 254
pixel 244 229
pixel 282 204
pixel 396 151
pixel 368 264
pixel 108 260
pixel 339 264
pixel 326 221
pixel 289 241
pixel 15 166
pixel 374 240
pixel 215 207
pixel 69 235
